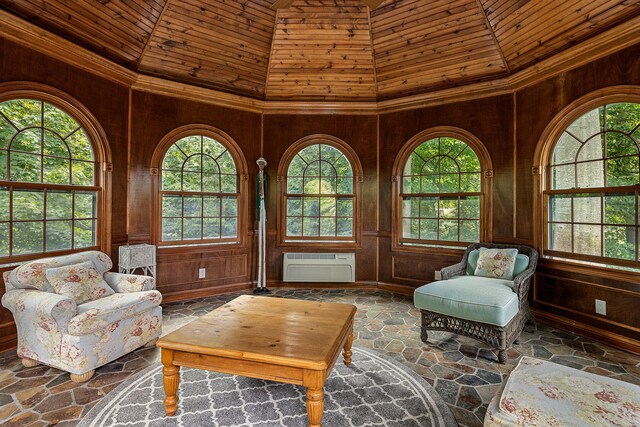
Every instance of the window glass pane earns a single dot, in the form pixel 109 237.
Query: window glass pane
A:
pixel 620 242
pixel 28 205
pixel 430 184
pixel 311 206
pixel 470 183
pixel 449 183
pixel 311 185
pixel 59 235
pixel 192 228
pixel 296 167
pixel 469 231
pixel 212 148
pixel 411 207
pixel 586 208
pixel 58 121
pixel 623 171
pixel 590 174
pixel 587 239
pixel 211 183
pixel 84 233
pixel 3 164
pixel 54 146
pixel 294 226
pixel 592 149
pixel 411 184
pixel 448 208
pixel 85 205
pixel 327 226
pixel 190 145
pixel 470 207
pixel 56 171
pixel 429 229
pixel 329 153
pixel 327 206
pixel 80 146
pixel 193 163
pixel 226 163
pixel 28 140
pixel 229 206
pixel 468 161
pixel 619 144
pixel 212 206
pixel 82 172
pixel 411 228
pixel 294 206
pixel 171 205
pixel 22 112
pixel 4 204
pixel 620 209
pixel 171 229
pixel 345 227
pixel 588 124
pixel 25 167
pixel 59 205
pixel 560 237
pixel 4 239
pixel 192 207
pixel 328 185
pixel 566 150
pixel 211 228
pixel 191 181
pixel 428 207
pixel 623 116
pixel 173 158
pixel 560 208
pixel 6 133
pixel 345 207
pixel 310 226
pixel 209 165
pixel 343 167
pixel 447 166
pixel 311 153
pixel 27 238
pixel 171 181
pixel 563 177
pixel 229 183
pixel 448 230
pixel 294 185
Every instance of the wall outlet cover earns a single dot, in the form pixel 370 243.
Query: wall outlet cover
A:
pixel 601 307
pixel 202 273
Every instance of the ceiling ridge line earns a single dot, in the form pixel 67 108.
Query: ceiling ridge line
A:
pixel 269 59
pixel 373 55
pixel 151 34
pixel 493 36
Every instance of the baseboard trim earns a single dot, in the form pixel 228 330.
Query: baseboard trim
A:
pixel 204 292
pixel 598 334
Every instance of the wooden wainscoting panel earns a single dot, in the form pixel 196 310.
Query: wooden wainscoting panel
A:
pixel 418 269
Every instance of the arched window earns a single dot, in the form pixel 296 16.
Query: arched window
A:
pixel 441 190
pixel 592 179
pixel 200 188
pixel 320 191
pixel 50 181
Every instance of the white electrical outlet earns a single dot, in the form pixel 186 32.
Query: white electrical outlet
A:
pixel 438 275
pixel 202 273
pixel 601 307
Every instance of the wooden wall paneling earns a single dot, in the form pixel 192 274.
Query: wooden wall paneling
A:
pixel 219 44
pixel 322 50
pixel 118 29
pixel 419 47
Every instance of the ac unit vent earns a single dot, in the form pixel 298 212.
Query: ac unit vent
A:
pixel 319 267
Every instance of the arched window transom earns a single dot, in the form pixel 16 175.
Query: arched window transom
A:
pixel 49 187
pixel 199 192
pixel 592 187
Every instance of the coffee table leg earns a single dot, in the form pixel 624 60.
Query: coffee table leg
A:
pixel 170 380
pixel 315 406
pixel 346 354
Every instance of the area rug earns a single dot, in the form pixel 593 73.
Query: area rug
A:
pixel 374 391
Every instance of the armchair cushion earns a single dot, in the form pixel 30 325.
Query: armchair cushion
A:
pixel 522 262
pixel 100 314
pixel 496 263
pixel 81 282
pixel 479 299
pixel 120 282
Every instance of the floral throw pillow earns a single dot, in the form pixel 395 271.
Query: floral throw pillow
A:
pixel 498 263
pixel 80 282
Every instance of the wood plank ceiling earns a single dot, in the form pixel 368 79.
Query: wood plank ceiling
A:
pixel 326 49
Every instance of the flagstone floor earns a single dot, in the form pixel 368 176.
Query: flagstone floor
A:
pixel 463 371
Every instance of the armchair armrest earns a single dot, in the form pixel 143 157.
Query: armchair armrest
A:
pixel 522 282
pixel 459 269
pixel 41 307
pixel 124 283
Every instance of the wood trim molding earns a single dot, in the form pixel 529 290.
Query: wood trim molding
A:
pixel 97 136
pixel 486 182
pixel 31 36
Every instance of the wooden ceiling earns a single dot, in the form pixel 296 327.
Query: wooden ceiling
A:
pixel 329 50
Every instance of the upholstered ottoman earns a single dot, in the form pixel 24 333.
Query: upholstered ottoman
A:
pixel 542 393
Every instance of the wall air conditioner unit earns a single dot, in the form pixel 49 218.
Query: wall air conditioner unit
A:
pixel 319 267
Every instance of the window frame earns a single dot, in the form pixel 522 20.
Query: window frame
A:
pixel 156 172
pixel 541 171
pixel 328 242
pixel 486 175
pixel 102 164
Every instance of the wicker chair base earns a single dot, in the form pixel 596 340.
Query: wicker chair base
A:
pixel 499 337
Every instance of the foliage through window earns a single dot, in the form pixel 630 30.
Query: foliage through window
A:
pixel 441 195
pixel 200 192
pixel 48 190
pixel 320 195
pixel 592 187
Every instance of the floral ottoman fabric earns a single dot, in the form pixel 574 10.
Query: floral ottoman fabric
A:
pixel 542 393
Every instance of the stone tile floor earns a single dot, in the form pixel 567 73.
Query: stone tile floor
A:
pixel 463 371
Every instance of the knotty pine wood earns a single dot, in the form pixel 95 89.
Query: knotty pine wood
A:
pixel 528 31
pixel 117 29
pixel 322 50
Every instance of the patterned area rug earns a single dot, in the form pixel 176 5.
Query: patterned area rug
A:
pixel 373 391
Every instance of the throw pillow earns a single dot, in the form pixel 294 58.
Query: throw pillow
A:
pixel 80 282
pixel 497 263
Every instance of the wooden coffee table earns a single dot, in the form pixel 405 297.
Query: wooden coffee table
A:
pixel 285 340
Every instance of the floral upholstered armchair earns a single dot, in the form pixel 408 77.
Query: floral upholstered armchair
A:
pixel 73 314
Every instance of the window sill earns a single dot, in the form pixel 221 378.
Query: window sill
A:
pixel 590 268
pixel 456 251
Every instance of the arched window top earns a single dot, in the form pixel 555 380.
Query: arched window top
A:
pixel 442 195
pixel 320 192
pixel 199 163
pixel 41 143
pixel 599 149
